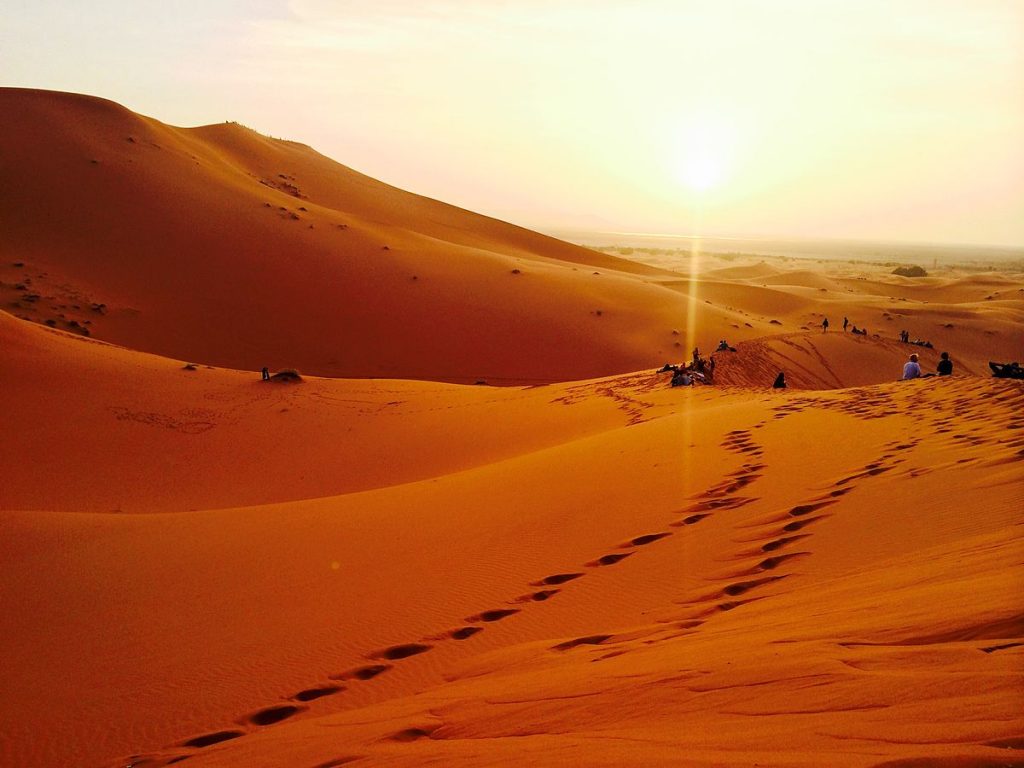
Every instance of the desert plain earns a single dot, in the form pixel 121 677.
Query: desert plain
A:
pixel 482 529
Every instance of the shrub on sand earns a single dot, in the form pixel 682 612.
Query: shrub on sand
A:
pixel 912 271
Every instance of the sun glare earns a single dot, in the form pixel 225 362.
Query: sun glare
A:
pixel 702 154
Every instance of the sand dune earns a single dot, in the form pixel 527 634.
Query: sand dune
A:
pixel 233 249
pixel 586 568
pixel 508 605
pixel 224 247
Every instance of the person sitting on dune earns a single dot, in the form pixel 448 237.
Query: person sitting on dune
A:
pixel 945 367
pixel 723 346
pixel 780 381
pixel 911 369
pixel 682 378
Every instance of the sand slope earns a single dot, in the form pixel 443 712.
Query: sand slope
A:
pixel 224 246
pixel 655 575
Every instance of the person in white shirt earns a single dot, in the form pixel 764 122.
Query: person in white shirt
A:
pixel 911 370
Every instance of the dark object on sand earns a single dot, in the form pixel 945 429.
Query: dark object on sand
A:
pixel 287 376
pixel 780 381
pixel 912 271
pixel 266 373
pixel 1006 370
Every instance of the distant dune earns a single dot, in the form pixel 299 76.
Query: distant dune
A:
pixel 225 247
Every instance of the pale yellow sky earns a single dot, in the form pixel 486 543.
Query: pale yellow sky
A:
pixel 830 118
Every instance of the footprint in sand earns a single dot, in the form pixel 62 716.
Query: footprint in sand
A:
pixel 538 597
pixel 363 673
pixel 404 651
pixel 273 715
pixel 208 739
pixel 647 538
pixel 774 562
pixel 805 509
pixel 608 559
pixel 558 578
pixel 464 633
pixel 495 615
pixel 796 525
pixel 588 640
pixel 775 544
pixel 311 694
pixel 742 587
pixel 691 520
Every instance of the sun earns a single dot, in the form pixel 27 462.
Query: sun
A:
pixel 701 154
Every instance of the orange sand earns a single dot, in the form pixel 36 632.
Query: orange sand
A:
pixel 600 572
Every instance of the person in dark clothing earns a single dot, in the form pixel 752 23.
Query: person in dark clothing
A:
pixel 824 325
pixel 780 381
pixel 846 322
pixel 266 374
pixel 945 367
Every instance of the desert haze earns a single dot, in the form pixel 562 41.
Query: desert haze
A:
pixel 477 526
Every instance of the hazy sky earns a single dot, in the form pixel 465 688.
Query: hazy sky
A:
pixel 879 119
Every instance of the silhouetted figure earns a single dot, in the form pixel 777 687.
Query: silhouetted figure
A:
pixel 723 346
pixel 780 381
pixel 682 379
pixel 945 367
pixel 824 325
pixel 266 374
pixel 846 322
pixel 1006 370
pixel 911 369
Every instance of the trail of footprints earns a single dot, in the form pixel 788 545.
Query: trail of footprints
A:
pixel 720 497
pixel 775 545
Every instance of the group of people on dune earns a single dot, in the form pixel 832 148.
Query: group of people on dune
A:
pixel 698 371
pixel 912 368
pixel 846 325
pixel 905 338
pixel 701 371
